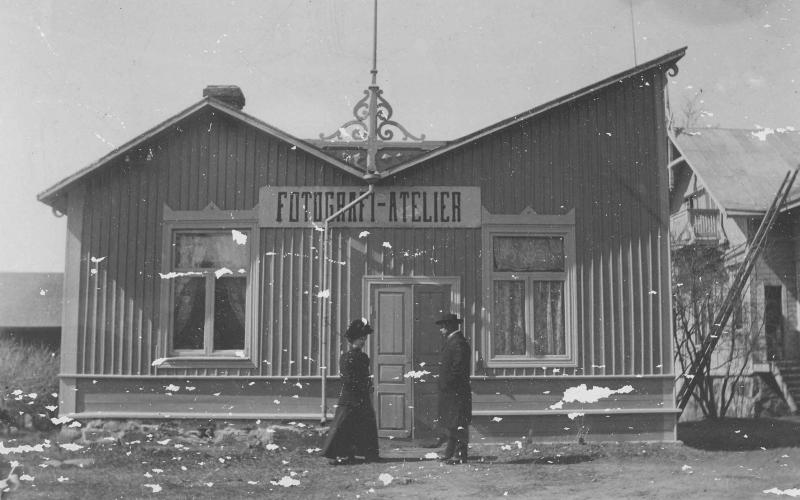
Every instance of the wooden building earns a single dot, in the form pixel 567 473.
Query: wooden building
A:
pixel 722 183
pixel 202 281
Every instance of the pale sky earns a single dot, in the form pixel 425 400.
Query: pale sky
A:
pixel 82 77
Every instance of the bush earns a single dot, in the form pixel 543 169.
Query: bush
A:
pixel 28 383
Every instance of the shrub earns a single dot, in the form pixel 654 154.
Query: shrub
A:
pixel 28 383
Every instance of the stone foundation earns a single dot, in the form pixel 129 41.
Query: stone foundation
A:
pixel 192 432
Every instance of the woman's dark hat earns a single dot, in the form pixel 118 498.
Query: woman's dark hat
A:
pixel 449 319
pixel 357 329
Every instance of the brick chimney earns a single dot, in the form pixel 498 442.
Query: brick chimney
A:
pixel 229 94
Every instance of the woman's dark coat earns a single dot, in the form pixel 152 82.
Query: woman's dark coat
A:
pixel 354 430
pixel 455 394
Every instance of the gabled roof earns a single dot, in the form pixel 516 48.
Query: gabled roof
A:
pixel 49 195
pixel 742 169
pixel 30 300
pixel 666 62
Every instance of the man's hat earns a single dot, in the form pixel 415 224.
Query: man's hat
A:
pixel 449 318
pixel 358 328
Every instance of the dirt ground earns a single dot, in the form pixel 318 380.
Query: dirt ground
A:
pixel 725 459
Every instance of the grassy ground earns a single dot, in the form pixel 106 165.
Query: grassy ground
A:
pixel 726 459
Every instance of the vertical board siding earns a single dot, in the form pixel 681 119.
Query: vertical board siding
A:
pixel 206 158
pixel 351 258
pixel 598 155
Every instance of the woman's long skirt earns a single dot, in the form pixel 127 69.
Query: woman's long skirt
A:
pixel 353 432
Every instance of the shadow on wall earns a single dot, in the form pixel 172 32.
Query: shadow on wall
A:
pixel 737 434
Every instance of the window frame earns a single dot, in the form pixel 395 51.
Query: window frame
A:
pixel 212 220
pixel 530 224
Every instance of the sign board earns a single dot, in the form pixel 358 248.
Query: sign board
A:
pixel 391 206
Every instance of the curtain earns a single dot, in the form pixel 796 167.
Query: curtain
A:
pixel 527 253
pixel 189 312
pixel 210 250
pixel 508 318
pixel 229 313
pixel 548 318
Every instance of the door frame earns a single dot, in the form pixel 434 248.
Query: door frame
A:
pixel 369 281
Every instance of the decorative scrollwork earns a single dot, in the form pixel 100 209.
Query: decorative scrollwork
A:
pixel 358 129
pixel 672 70
pixel 361 109
pixel 385 122
pixel 354 130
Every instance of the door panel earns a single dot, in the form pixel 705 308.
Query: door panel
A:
pixel 430 302
pixel 391 314
pixel 391 418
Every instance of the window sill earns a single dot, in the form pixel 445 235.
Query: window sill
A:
pixel 522 362
pixel 204 362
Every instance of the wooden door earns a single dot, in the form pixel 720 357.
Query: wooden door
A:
pixel 391 315
pixel 773 321
pixel 430 302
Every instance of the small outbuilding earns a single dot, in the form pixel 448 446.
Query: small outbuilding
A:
pixel 213 261
pixel 30 308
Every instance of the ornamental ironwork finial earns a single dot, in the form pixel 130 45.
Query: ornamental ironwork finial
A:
pixel 372 115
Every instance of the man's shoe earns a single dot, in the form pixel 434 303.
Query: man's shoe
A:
pixel 455 461
pixel 342 461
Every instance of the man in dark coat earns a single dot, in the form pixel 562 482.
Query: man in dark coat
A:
pixel 354 430
pixel 455 393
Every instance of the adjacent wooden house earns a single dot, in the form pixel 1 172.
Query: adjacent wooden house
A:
pixel 722 182
pixel 30 308
pixel 202 280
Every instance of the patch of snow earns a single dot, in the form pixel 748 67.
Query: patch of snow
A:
pixel 416 374
pixel 793 492
pixel 239 237
pixel 286 482
pixel 71 446
pixel 222 272
pixel 762 134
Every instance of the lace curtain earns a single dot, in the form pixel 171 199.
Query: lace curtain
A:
pixel 210 251
pixel 545 336
pixel 189 313
pixel 229 304
pixel 548 318
pixel 508 324
pixel 528 253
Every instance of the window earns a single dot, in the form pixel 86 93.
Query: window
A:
pixel 208 296
pixel 208 288
pixel 529 294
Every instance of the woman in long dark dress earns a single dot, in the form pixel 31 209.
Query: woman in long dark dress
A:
pixel 354 430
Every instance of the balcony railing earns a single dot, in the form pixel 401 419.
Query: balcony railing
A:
pixel 696 225
pixel 705 223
